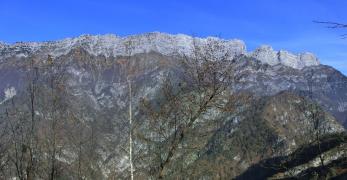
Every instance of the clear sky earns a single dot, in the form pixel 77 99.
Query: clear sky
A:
pixel 283 24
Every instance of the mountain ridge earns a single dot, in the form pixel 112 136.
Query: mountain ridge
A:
pixel 164 43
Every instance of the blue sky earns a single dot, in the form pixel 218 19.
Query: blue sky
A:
pixel 284 24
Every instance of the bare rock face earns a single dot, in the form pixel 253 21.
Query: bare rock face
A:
pixel 289 59
pixel 112 45
pixel 266 54
pixel 269 56
pixel 298 61
pixel 167 44
pixel 309 59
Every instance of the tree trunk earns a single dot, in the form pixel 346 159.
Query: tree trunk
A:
pixel 130 134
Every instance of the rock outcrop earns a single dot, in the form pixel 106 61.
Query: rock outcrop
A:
pixel 266 55
pixel 298 61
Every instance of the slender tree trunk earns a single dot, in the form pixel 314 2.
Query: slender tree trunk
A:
pixel 320 150
pixel 130 135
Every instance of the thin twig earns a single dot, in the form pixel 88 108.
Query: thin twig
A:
pixel 332 25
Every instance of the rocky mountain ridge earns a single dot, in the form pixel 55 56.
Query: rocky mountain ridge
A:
pixel 166 44
pixel 277 71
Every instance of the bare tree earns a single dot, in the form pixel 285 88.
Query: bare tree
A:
pixel 334 25
pixel 315 116
pixel 204 77
pixel 4 147
pixel 129 47
pixel 53 113
pixel 24 152
pixel 81 142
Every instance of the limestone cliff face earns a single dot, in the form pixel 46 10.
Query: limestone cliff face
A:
pixel 112 45
pixel 266 54
pixel 166 44
pixel 297 61
pixel 309 59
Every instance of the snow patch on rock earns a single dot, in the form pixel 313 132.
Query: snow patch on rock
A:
pixel 9 93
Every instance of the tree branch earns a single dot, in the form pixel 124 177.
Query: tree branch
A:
pixel 332 25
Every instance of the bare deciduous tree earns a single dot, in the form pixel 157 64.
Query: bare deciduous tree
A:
pixel 53 113
pixel 23 152
pixel 204 78
pixel 334 25
pixel 129 47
